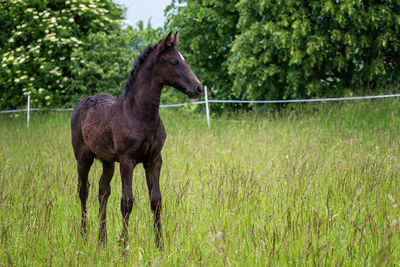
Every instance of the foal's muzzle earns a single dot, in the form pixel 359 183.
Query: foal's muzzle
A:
pixel 198 92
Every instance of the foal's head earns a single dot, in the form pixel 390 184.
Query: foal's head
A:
pixel 174 71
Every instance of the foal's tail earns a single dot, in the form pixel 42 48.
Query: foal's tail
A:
pixel 76 127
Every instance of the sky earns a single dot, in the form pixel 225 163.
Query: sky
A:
pixel 145 9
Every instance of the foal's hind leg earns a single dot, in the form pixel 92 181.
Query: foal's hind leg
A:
pixel 153 177
pixel 104 193
pixel 84 165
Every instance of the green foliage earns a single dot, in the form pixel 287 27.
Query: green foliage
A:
pixel 60 51
pixel 37 39
pixel 274 49
pixel 292 49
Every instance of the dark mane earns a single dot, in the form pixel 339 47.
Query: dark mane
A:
pixel 138 63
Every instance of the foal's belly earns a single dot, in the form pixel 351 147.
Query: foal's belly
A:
pixel 100 142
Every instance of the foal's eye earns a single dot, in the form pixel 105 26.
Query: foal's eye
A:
pixel 174 61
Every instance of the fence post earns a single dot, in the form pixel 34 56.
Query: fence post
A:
pixel 207 109
pixel 28 110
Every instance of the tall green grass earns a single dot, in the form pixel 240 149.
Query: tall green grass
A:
pixel 316 184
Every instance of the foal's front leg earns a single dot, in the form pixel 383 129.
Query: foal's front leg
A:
pixel 153 177
pixel 104 193
pixel 126 168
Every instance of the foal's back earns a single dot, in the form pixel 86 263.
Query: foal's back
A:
pixel 91 128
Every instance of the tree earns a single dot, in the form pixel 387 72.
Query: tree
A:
pixel 293 49
pixel 272 49
pixel 36 43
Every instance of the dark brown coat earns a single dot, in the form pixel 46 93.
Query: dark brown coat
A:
pixel 129 130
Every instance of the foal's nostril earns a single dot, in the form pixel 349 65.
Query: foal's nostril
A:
pixel 199 89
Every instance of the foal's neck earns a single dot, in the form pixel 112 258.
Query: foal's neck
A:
pixel 145 94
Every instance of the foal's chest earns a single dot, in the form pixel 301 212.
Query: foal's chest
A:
pixel 141 145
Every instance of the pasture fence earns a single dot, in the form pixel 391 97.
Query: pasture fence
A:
pixel 207 102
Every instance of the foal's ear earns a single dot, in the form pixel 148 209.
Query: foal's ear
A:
pixel 176 39
pixel 168 41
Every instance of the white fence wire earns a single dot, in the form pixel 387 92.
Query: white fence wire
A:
pixel 207 102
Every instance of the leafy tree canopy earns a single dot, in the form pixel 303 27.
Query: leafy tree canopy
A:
pixel 59 51
pixel 274 49
pixel 294 49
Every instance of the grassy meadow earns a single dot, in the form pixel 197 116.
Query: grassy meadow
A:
pixel 314 184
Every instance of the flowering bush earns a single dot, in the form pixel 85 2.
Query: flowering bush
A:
pixel 37 43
